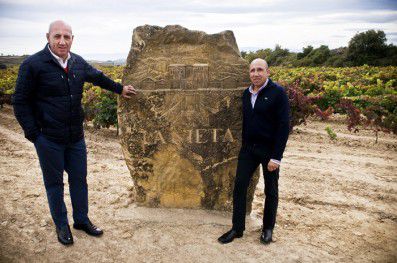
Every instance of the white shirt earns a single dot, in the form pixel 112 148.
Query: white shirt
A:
pixel 60 60
pixel 254 96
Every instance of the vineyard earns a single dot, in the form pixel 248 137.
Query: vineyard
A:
pixel 337 197
pixel 366 95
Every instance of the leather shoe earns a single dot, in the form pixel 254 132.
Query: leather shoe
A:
pixel 89 228
pixel 65 235
pixel 266 236
pixel 229 236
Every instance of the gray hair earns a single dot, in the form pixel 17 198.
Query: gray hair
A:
pixel 58 22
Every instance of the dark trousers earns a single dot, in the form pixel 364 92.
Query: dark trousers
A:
pixel 54 160
pixel 249 159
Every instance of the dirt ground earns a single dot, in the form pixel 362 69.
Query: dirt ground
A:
pixel 338 203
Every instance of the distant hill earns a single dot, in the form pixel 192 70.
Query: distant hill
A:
pixel 118 62
pixel 6 61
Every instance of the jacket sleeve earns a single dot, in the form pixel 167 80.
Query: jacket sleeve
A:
pixel 243 118
pixel 22 102
pixel 282 130
pixel 97 78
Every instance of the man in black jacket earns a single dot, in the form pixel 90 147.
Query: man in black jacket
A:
pixel 264 137
pixel 47 104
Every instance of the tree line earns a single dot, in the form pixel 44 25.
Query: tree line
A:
pixel 366 48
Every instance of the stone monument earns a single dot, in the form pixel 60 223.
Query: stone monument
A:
pixel 182 132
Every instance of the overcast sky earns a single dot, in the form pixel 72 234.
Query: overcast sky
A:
pixel 103 29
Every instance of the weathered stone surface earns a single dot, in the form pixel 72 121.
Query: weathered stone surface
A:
pixel 181 134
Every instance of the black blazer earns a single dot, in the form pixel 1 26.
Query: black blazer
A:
pixel 268 122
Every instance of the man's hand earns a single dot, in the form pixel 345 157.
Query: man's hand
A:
pixel 272 166
pixel 127 91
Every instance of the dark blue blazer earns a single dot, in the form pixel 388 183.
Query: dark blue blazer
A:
pixel 47 99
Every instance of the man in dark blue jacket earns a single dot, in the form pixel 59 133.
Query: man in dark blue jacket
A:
pixel 264 137
pixel 47 104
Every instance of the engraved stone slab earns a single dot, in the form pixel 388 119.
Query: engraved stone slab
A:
pixel 181 134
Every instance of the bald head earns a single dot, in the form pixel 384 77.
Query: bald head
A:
pixel 259 62
pixel 259 72
pixel 60 38
pixel 59 24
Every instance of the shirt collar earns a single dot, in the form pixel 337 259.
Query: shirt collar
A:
pixel 60 60
pixel 261 88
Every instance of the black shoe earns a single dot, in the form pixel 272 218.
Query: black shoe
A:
pixel 89 228
pixel 266 236
pixel 229 236
pixel 65 235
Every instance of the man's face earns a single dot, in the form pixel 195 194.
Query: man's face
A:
pixel 60 39
pixel 258 73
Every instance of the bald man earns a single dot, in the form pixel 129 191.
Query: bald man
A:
pixel 264 137
pixel 47 104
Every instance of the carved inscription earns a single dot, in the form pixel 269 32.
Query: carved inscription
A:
pixel 190 104
pixel 178 76
pixel 191 77
pixel 181 133
pixel 191 136
pixel 200 76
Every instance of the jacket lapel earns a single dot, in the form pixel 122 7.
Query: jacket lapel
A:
pixel 71 61
pixel 247 101
pixel 50 58
pixel 260 94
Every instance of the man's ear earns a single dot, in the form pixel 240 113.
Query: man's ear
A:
pixel 48 37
